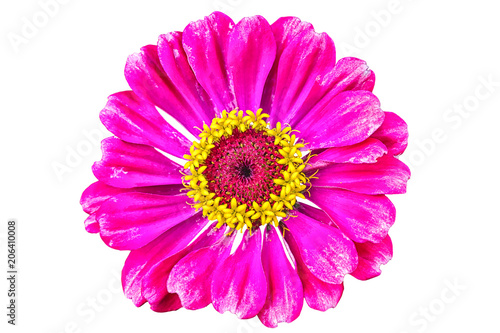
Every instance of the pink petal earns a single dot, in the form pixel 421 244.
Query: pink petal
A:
pixel 91 224
pixel 367 151
pixel 98 192
pixel 315 213
pixel 371 257
pixel 132 220
pixel 393 133
pixel 140 261
pixel 174 61
pixel 284 289
pixel 171 302
pixel 250 56
pixel 154 283
pixel 135 120
pixel 94 195
pixel 284 30
pixel 128 165
pixel 304 61
pixel 239 283
pixel 319 295
pixel 146 77
pixel 349 118
pixel 206 45
pixel 349 74
pixel 191 277
pixel 387 176
pixel 360 217
pixel 326 252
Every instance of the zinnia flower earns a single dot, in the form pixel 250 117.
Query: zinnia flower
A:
pixel 292 150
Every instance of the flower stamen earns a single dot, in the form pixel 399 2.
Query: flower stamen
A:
pixel 243 173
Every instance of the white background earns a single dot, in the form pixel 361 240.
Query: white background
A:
pixel 431 58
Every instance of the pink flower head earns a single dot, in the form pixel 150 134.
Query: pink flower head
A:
pixel 292 150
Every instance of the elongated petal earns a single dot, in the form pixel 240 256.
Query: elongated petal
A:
pixel 284 289
pixel 348 74
pixel 135 120
pixel 174 61
pixel 98 192
pixel 171 302
pixel 284 30
pixel 318 294
pixel 154 283
pixel 367 151
pixel 191 277
pixel 304 61
pixel 371 257
pixel 387 176
pixel 131 220
pixel 351 74
pixel 349 118
pixel 315 213
pixel 91 224
pixel 206 45
pixel 128 165
pixel 141 260
pixel 393 133
pixel 146 77
pixel 361 217
pixel 327 253
pixel 94 195
pixel 239 283
pixel 251 54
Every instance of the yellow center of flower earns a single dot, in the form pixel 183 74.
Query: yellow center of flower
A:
pixel 242 172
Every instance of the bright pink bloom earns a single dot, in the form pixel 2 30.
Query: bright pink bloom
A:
pixel 247 172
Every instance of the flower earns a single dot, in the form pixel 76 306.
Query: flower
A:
pixel 291 149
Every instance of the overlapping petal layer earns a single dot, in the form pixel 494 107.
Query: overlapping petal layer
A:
pixel 206 45
pixel 326 252
pixel 191 277
pixel 370 255
pixel 360 217
pixel 344 120
pixel 97 193
pixel 387 176
pixel 135 120
pixel 367 151
pixel 140 261
pixel 393 133
pixel 239 282
pixel 252 43
pixel 305 60
pixel 147 78
pixel 284 289
pixel 319 295
pixel 131 220
pixel 154 283
pixel 127 165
